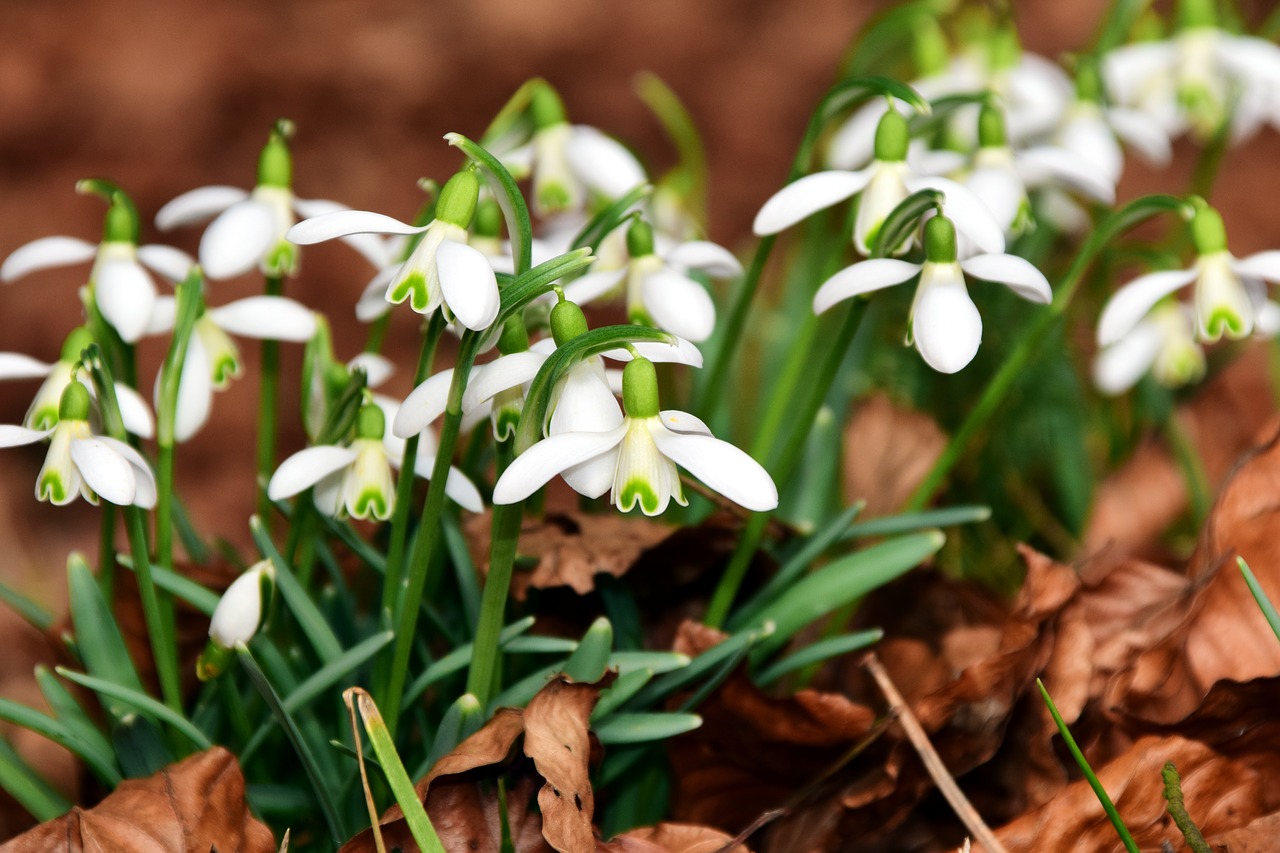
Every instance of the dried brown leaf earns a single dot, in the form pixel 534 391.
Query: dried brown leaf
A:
pixel 556 738
pixel 672 838
pixel 888 450
pixel 188 807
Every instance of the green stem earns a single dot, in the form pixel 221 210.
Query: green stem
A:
pixel 268 391
pixel 107 551
pixel 732 331
pixel 164 506
pixel 377 333
pixel 1178 810
pixel 1192 467
pixel 428 533
pixel 486 656
pixel 1028 347
pixel 189 303
pixel 157 611
pixel 1210 161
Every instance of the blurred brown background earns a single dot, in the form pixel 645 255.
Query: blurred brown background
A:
pixel 164 97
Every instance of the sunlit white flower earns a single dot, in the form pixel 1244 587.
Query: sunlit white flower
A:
pixel 119 283
pixel 248 228
pixel 80 463
pixel 641 454
pixel 1228 291
pixel 1162 344
pixel 944 324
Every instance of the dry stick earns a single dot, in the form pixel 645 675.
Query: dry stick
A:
pixel 932 762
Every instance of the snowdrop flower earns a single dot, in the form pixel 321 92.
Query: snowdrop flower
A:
pixel 324 378
pixel 442 271
pixel 659 291
pixel 80 463
pixel 1228 291
pixel 212 359
pixel 641 455
pixel 248 228
pixel 883 185
pixel 236 617
pixel 1162 344
pixel 119 283
pixel 355 479
pixel 944 324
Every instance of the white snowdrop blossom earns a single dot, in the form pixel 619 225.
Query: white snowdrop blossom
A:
pixel 79 463
pixel 212 358
pixel 1228 296
pixel 945 325
pixel 442 271
pixel 356 479
pixel 119 282
pixel 641 455
pixel 1163 344
pixel 248 228
pixel 236 618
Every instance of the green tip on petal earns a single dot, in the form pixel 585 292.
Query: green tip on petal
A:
pixel 1208 231
pixel 74 405
pixel 52 489
pixel 640 239
pixel 371 422
pixel 553 196
pixel 892 137
pixel 940 241
pixel 1224 321
pixel 75 343
pixel 640 389
pixel 637 490
pixel 545 106
pixel 372 503
pixel 459 198
pixel 275 163
pixel 45 417
pixel 991 128
pixel 567 322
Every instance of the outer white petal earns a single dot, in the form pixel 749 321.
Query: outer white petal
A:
pixel 531 470
pixel 377 369
pixel 373 301
pixel 195 392
pixel 235 619
pixel 1001 193
pixel 423 405
pixel 1118 367
pixel 16 436
pixel 853 143
pixel 126 296
pixel 166 261
pixel 374 249
pixel 680 305
pixel 585 402
pixel 45 253
pixel 198 205
pixel 105 471
pixel 499 375
pixel 235 241
pixel 602 163
pixel 459 488
pixel 593 285
pixel 683 422
pixel 15 365
pixel 807 196
pixel 1267 323
pixel 1130 304
pixel 719 464
pixel 860 278
pixel 1088 135
pixel 971 215
pixel 145 495
pixel 1264 265
pixel 307 467
pixel 271 318
pixel 344 223
pixel 135 412
pixel 1143 133
pixel 164 314
pixel 469 285
pixel 1050 164
pixel 327 494
pixel 1021 276
pixel 682 352
pixel 946 324
pixel 711 258
pixel 1129 70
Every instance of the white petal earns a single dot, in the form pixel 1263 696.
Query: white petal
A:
pixel 683 422
pixel 807 196
pixel 712 259
pixel 164 313
pixel 126 296
pixel 327 494
pixel 462 491
pixel 1129 70
pixel 170 263
pixel 45 253
pixel 423 405
pixel 593 285
pixel 375 250
pixel 1264 265
pixel 145 493
pixel 235 242
pixel 105 471
pixel 720 465
pixel 135 412
pixel 195 392
pixel 1019 274
pixel 271 318
pixel 499 375
pixel 1143 133
pixel 602 163
pixel 469 285
pixel 307 467
pixel 1050 164
pixel 680 305
pixel 860 278
pixel 15 365
pixel 377 369
pixel 971 214
pixel 584 402
pixel 16 436
pixel 198 205
pixel 853 143
pixel 1130 304
pixel 532 469
pixel 946 324
pixel 344 223
pixel 1118 368
pixel 682 352
pixel 1267 323
pixel 1091 138
pixel 373 301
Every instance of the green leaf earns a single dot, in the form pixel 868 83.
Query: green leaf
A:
pixel 586 664
pixel 29 788
pixel 613 697
pixel 27 608
pixel 457 660
pixel 464 718
pixel 509 198
pixel 642 728
pixel 139 747
pixel 59 733
pixel 539 280
pixel 69 713
pixel 540 646
pixel 818 652
pixel 909 521
pixel 200 597
pixel 658 662
pixel 701 666
pixel 304 610
pixel 840 582
pixel 1260 596
pixel 602 224
pixel 463 569
pixel 141 702
pixel 101 646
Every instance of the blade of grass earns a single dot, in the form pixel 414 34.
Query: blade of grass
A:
pixel 310 620
pixel 141 702
pixel 28 787
pixel 59 733
pixel 620 729
pixel 1260 596
pixel 818 652
pixel 27 608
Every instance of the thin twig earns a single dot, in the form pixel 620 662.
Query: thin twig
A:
pixel 1178 810
pixel 932 762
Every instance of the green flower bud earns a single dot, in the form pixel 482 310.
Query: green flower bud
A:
pixel 515 337
pixel 940 241
pixel 640 389
pixel 459 199
pixel 74 405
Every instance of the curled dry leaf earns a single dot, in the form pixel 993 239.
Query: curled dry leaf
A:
pixel 888 451
pixel 556 738
pixel 672 838
pixel 195 805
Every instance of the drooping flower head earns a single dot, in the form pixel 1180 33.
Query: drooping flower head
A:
pixel 236 618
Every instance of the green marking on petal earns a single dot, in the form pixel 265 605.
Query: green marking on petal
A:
pixel 505 422
pixel 640 491
pixel 282 259
pixel 51 488
pixel 1224 321
pixel 225 368
pixel 45 417
pixel 372 503
pixel 412 287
